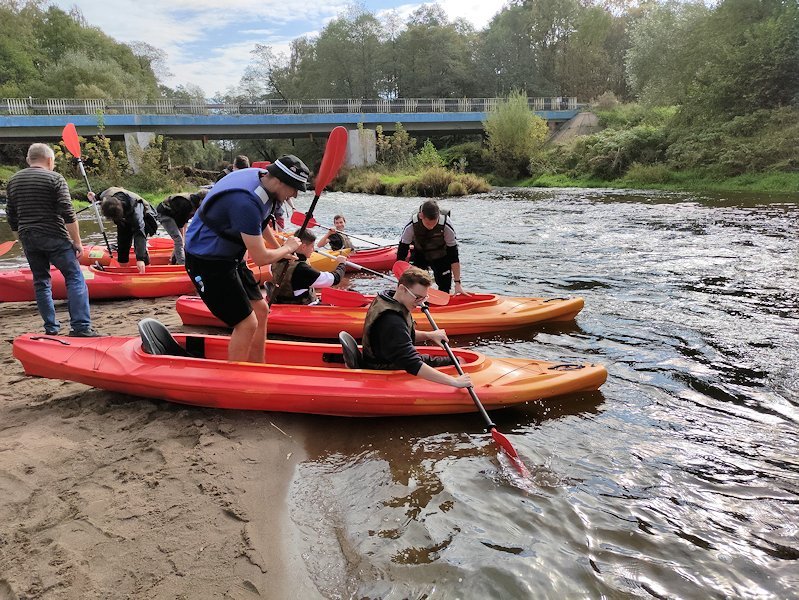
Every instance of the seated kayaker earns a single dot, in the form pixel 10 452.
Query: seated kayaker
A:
pixel 389 332
pixel 335 235
pixel 298 283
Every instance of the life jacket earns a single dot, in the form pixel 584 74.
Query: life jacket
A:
pixel 382 303
pixel 430 242
pixel 285 293
pixel 131 199
pixel 343 238
pixel 246 181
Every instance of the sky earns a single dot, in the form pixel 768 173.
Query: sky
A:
pixel 208 42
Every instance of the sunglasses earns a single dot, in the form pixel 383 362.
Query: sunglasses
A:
pixel 416 297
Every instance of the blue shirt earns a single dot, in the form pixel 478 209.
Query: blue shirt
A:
pixel 237 204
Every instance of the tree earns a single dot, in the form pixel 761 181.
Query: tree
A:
pixel 515 135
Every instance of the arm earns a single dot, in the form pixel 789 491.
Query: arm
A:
pixel 430 374
pixel 261 255
pixel 74 235
pixel 269 237
pixel 323 279
pixel 406 239
pixel 323 240
pixel 455 265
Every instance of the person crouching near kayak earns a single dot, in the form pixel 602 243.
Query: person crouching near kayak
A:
pixel 232 221
pixel 135 219
pixel 298 283
pixel 174 214
pixel 389 333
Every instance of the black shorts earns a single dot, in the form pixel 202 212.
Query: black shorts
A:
pixel 226 286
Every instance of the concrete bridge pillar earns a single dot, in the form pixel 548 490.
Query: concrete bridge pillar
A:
pixel 135 143
pixel 361 148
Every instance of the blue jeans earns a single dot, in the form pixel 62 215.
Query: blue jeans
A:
pixel 41 252
pixel 171 227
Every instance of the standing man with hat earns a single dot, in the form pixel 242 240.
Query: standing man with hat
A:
pixel 231 222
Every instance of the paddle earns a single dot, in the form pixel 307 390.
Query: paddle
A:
pixel 500 439
pixel 348 298
pixel 298 217
pixel 435 297
pixel 331 162
pixel 6 246
pixel 71 141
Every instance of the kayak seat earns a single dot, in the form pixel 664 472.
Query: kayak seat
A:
pixel 352 354
pixel 156 339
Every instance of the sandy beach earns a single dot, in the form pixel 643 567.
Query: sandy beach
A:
pixel 110 496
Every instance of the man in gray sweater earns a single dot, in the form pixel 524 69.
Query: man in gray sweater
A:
pixel 40 214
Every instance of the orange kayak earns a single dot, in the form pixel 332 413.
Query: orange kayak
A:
pixel 477 313
pixel 303 378
pixel 159 249
pixel 109 282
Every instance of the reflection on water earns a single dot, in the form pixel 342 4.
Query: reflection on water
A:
pixel 678 479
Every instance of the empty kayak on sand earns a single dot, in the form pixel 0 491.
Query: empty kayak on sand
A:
pixel 159 249
pixel 301 377
pixel 109 282
pixel 477 313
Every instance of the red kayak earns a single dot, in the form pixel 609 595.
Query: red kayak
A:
pixel 108 282
pixel 301 377
pixel 477 313
pixel 159 249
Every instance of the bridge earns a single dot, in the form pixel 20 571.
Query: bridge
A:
pixel 31 119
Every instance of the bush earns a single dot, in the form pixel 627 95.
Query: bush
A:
pixel 469 156
pixel 515 135
pixel 427 157
pixel 434 181
pixel 473 183
pixel 648 174
pixel 456 188
pixel 609 153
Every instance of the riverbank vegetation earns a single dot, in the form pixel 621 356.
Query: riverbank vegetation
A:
pixel 689 95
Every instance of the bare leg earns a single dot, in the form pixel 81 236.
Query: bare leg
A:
pixel 241 338
pixel 257 347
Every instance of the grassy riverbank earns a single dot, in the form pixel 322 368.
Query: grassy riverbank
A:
pixel 689 181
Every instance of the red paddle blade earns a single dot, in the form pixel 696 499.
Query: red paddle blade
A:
pixel 332 160
pixel 71 140
pixel 346 298
pixel 6 246
pixel 298 218
pixel 400 267
pixel 434 297
pixel 508 448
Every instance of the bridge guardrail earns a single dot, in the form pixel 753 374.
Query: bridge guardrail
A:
pixel 165 106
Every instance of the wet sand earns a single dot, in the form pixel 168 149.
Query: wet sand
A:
pixel 110 496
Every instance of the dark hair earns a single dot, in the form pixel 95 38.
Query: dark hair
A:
pixel 339 217
pixel 430 210
pixel 241 162
pixel 414 276
pixel 112 208
pixel 307 237
pixel 197 197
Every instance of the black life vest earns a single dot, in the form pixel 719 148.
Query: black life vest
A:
pixel 381 304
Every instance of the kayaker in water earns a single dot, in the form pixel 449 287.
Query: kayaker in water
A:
pixel 232 221
pixel 174 214
pixel 389 332
pixel 135 219
pixel 435 245
pixel 297 285
pixel 336 236
pixel 40 214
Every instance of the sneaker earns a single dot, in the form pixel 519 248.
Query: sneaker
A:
pixel 86 333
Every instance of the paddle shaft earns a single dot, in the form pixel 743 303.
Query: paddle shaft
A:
pixel 489 423
pixel 358 267
pixel 96 210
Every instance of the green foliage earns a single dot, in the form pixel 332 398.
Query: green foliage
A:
pixel 515 134
pixel 468 156
pixel 650 174
pixel 427 157
pixel 629 115
pixel 430 182
pixel 609 153
pixel 456 188
pixel 396 149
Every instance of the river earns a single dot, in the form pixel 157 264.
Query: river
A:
pixel 680 478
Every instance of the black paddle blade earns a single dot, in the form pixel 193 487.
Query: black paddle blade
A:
pixel 508 448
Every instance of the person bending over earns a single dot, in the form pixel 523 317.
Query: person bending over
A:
pixel 232 221
pixel 298 283
pixel 135 219
pixel 174 214
pixel 434 245
pixel 389 333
